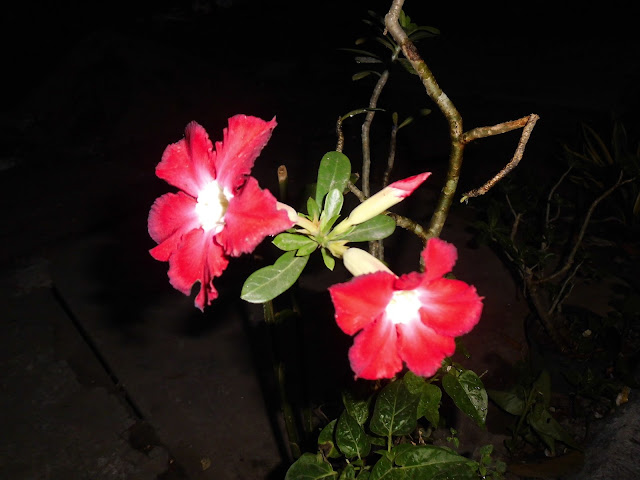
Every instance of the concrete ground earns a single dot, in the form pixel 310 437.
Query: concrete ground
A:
pixel 106 372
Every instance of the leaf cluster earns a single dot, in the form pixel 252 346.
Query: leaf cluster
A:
pixel 382 435
pixel 324 208
pixel 535 424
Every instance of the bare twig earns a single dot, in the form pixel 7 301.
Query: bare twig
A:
pixel 392 155
pixel 543 245
pixel 410 225
pixel 517 156
pixel 516 222
pixel 583 230
pixel 340 135
pixel 283 182
pixel 560 295
pixel 366 128
pixel 446 107
pixel 504 127
pixel 356 191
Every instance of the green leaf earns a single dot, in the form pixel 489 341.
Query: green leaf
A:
pixel 508 400
pixel 334 172
pixel 310 467
pixel 429 461
pixel 313 209
pixel 383 469
pixel 326 443
pixel 351 438
pixel 361 75
pixel 376 228
pixel 349 473
pixel 542 387
pixel 328 260
pixel 364 475
pixel 413 382
pixel 357 408
pixel 332 206
pixel 429 404
pixel 307 250
pixel 468 393
pixel 292 241
pixel 359 52
pixel 269 282
pixel 394 411
pixel 544 424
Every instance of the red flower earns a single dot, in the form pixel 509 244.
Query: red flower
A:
pixel 413 318
pixel 220 209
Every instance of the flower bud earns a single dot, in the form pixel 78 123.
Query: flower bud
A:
pixel 360 262
pixel 381 201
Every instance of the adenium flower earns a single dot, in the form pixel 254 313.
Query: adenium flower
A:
pixel 413 318
pixel 220 210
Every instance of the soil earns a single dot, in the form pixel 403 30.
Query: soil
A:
pixel 107 372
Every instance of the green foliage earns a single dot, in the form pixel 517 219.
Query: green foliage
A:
pixel 334 173
pixel 535 424
pixel 374 436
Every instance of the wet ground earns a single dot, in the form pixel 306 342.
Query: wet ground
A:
pixel 106 371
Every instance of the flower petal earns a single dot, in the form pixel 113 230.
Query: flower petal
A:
pixel 187 164
pixel 242 143
pixel 439 258
pixel 404 188
pixel 171 216
pixel 374 353
pixel 198 258
pixel 251 216
pixel 422 348
pixel 450 307
pixel 361 300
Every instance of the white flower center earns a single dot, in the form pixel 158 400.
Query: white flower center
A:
pixel 403 306
pixel 211 206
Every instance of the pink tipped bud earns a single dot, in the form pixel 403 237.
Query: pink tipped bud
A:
pixel 381 201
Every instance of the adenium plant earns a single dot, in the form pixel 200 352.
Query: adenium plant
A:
pixel 404 327
pixel 402 321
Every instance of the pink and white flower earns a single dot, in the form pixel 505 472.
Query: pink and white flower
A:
pixel 413 318
pixel 220 210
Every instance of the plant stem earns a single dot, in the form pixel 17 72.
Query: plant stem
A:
pixel 446 107
pixel 366 129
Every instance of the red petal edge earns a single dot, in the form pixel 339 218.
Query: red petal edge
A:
pixel 242 143
pixel 187 164
pixel 198 258
pixel 361 300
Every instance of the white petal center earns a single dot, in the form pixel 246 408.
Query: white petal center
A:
pixel 403 306
pixel 211 206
